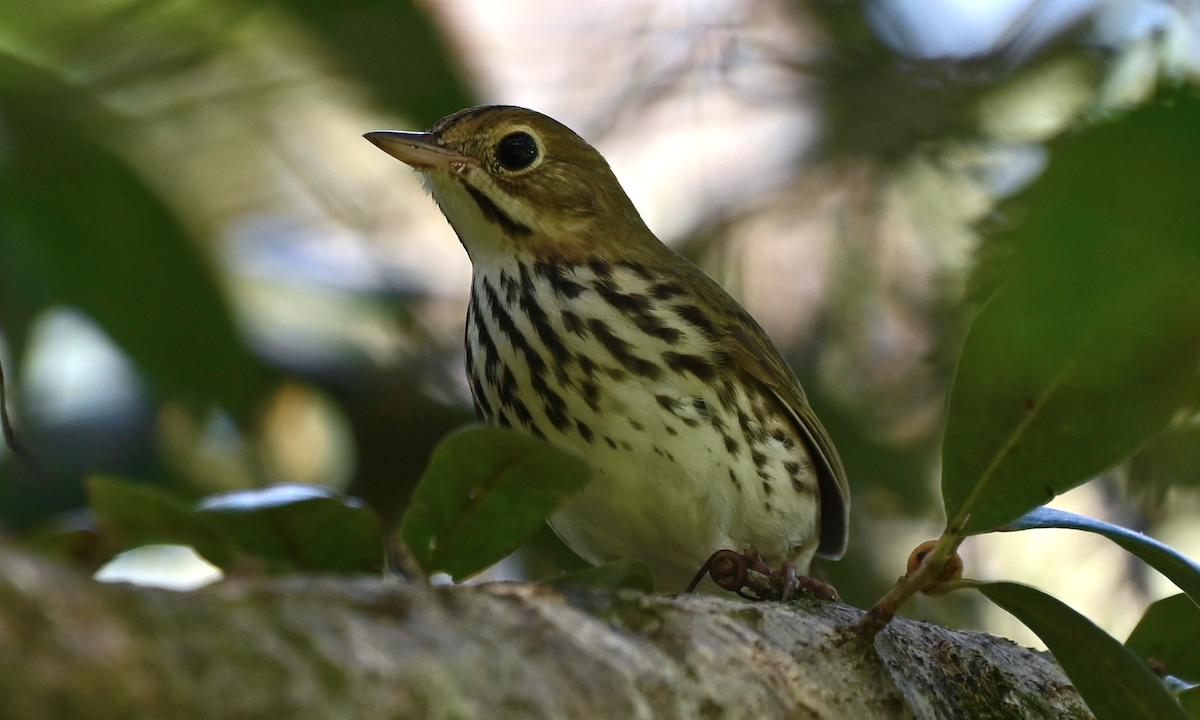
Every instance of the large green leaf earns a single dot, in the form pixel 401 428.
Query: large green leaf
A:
pixel 134 514
pixel 298 527
pixel 1169 632
pixel 1190 699
pixel 485 492
pixel 1115 683
pixel 80 227
pixel 1093 342
pixel 1179 568
pixel 278 528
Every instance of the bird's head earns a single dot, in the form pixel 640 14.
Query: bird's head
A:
pixel 513 180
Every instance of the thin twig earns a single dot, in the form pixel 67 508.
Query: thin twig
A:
pixel 401 560
pixel 10 436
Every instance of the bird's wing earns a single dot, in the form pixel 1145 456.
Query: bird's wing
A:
pixel 753 352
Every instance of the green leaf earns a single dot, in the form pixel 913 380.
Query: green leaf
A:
pixel 628 573
pixel 282 527
pixel 78 226
pixel 1115 683
pixel 486 490
pixel 1190 700
pixel 1169 632
pixel 136 514
pixel 1177 567
pixel 1093 342
pixel 298 527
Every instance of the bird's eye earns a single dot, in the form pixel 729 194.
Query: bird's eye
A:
pixel 516 151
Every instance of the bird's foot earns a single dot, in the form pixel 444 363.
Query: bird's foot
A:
pixel 739 572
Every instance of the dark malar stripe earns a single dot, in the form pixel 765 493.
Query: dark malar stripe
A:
pixel 494 214
pixel 619 349
pixel 555 407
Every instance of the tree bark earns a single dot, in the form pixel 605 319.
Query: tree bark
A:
pixel 307 647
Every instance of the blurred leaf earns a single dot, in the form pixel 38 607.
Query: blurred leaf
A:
pixel 75 539
pixel 628 573
pixel 1172 459
pixel 283 527
pixel 80 227
pixel 1093 342
pixel 298 527
pixel 1190 699
pixel 1179 568
pixel 485 492
pixel 394 48
pixel 1115 683
pixel 135 515
pixel 1169 632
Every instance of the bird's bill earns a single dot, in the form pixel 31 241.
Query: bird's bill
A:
pixel 420 150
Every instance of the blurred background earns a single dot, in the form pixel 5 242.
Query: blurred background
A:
pixel 209 281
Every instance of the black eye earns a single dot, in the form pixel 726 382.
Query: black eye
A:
pixel 516 151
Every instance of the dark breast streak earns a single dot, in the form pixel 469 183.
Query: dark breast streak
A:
pixel 539 359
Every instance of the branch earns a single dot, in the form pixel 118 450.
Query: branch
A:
pixel 304 647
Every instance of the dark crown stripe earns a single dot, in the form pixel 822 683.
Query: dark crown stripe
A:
pixel 619 349
pixel 494 214
pixel 555 406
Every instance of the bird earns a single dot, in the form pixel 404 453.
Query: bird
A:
pixel 585 330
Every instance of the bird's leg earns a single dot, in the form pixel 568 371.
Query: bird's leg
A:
pixel 737 571
pixel 818 588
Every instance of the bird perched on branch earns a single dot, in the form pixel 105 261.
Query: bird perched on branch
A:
pixel 584 329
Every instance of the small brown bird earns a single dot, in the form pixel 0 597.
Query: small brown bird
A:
pixel 584 329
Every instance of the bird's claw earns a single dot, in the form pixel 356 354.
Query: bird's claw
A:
pixel 739 572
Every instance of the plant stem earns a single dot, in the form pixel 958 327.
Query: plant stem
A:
pixel 925 576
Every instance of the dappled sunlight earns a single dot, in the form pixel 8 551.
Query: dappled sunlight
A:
pixel 171 567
